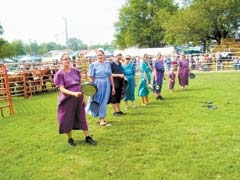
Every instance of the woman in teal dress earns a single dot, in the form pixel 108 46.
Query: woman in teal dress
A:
pixel 129 71
pixel 145 79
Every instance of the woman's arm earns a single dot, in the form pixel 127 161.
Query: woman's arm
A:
pixel 91 78
pixel 118 75
pixel 68 92
pixel 112 84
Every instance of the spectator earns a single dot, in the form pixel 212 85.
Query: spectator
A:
pixel 236 63
pixel 168 63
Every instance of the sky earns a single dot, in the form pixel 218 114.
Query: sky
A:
pixel 91 21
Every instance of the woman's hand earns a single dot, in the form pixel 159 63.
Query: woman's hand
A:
pixel 121 76
pixel 113 91
pixel 77 94
pixel 84 103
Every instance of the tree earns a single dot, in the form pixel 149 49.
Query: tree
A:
pixel 202 21
pixel 1 29
pixel 18 47
pixel 6 50
pixel 32 48
pixel 138 25
pixel 76 44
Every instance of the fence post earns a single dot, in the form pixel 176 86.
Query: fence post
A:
pixel 5 96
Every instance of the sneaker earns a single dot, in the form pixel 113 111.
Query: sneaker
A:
pixel 71 142
pixel 89 140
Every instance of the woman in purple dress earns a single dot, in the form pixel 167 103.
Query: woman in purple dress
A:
pixel 172 77
pixel 158 76
pixel 183 71
pixel 71 113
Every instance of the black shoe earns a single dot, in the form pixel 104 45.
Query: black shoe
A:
pixel 90 140
pixel 120 112
pixel 160 98
pixel 117 114
pixel 71 142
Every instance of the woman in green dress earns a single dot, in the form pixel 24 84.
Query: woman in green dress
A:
pixel 129 71
pixel 145 79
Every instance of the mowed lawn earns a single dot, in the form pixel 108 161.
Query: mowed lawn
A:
pixel 180 138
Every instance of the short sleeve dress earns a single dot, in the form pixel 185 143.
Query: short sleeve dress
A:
pixel 71 113
pixel 183 73
pixel 100 73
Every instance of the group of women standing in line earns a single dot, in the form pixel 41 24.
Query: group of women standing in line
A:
pixel 109 78
pixel 158 73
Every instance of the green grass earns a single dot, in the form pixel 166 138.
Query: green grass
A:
pixel 175 139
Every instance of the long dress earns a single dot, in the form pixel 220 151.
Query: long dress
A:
pixel 129 71
pixel 142 87
pixel 101 73
pixel 183 72
pixel 71 114
pixel 118 83
pixel 172 77
pixel 159 66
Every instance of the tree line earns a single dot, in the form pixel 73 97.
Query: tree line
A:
pixel 156 23
pixel 153 23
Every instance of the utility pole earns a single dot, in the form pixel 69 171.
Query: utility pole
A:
pixel 66 31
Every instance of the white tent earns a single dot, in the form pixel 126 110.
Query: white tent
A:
pixel 150 51
pixel 30 58
pixel 108 53
pixel 91 54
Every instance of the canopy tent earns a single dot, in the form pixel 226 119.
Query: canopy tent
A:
pixel 91 54
pixel 7 60
pixel 108 54
pixel 150 51
pixel 30 59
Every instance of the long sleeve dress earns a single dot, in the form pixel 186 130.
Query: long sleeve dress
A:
pixel 183 72
pixel 158 65
pixel 143 87
pixel 129 71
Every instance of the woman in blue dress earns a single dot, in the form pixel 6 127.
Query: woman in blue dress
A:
pixel 145 79
pixel 100 73
pixel 129 71
pixel 158 76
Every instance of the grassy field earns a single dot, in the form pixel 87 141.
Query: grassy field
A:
pixel 179 138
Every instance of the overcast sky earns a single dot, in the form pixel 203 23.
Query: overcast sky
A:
pixel 91 21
